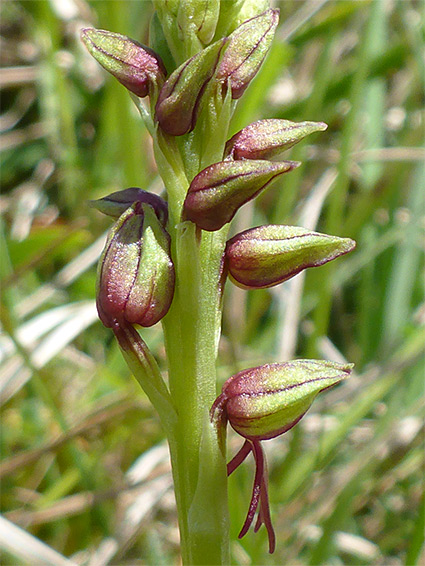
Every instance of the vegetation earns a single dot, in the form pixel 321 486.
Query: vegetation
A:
pixel 84 465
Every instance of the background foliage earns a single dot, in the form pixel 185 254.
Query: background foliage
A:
pixel 84 469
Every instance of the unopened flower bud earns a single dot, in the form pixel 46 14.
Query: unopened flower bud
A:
pixel 266 401
pixel 136 67
pixel 198 18
pixel 136 275
pixel 217 192
pixel 116 203
pixel 179 99
pixel 246 49
pixel 268 255
pixel 268 138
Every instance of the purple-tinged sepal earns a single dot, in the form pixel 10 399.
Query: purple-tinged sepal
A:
pixel 116 203
pixel 136 66
pixel 179 99
pixel 268 255
pixel 266 139
pixel 246 49
pixel 217 192
pixel 136 274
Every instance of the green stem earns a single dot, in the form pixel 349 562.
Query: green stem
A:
pixel 191 330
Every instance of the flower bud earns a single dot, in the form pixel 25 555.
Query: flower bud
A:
pixel 136 275
pixel 116 203
pixel 198 18
pixel 136 67
pixel 217 192
pixel 268 138
pixel 266 401
pixel 246 49
pixel 178 102
pixel 268 255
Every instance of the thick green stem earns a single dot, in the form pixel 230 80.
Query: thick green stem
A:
pixel 191 332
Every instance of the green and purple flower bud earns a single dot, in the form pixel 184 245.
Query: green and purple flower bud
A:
pixel 216 193
pixel 136 275
pixel 268 255
pixel 136 67
pixel 266 139
pixel 246 49
pixel 116 203
pixel 266 401
pixel 179 99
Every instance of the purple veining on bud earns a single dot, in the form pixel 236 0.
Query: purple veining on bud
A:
pixel 266 401
pixel 136 275
pixel 268 138
pixel 268 255
pixel 116 203
pixel 263 402
pixel 179 99
pixel 247 47
pixel 217 192
pixel 136 66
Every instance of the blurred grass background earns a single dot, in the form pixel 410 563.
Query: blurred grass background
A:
pixel 84 471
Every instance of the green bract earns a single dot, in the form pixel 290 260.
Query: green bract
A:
pixel 198 18
pixel 136 275
pixel 217 192
pixel 247 47
pixel 178 102
pixel 137 67
pixel 268 138
pixel 266 401
pixel 268 255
